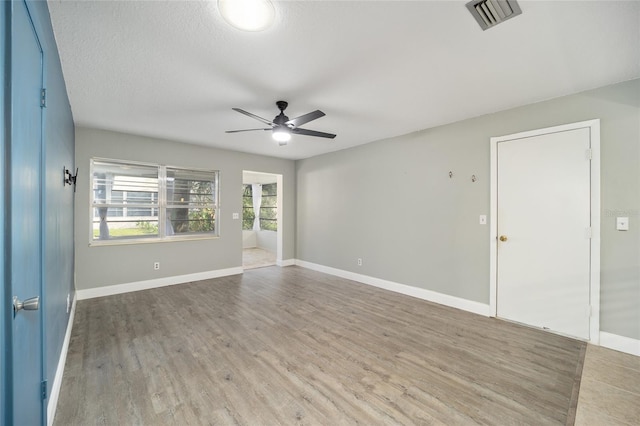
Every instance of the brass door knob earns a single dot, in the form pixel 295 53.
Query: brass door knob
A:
pixel 503 238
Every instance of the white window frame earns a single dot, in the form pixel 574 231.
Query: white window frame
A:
pixel 162 205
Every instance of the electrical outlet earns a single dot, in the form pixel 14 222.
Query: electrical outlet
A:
pixel 359 262
pixel 622 223
pixel 156 266
pixel 236 215
pixel 68 302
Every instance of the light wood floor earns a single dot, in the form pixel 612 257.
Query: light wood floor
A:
pixel 293 346
pixel 257 258
pixel 609 389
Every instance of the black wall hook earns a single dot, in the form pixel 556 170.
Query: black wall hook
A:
pixel 70 179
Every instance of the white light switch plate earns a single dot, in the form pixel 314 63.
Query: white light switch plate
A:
pixel 483 219
pixel 622 223
pixel 236 216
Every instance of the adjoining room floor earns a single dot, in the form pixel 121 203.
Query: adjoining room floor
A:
pixel 294 346
pixel 257 258
pixel 609 389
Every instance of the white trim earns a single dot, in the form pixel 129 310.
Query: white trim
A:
pixel 420 293
pixel 594 130
pixel 90 293
pixel 279 217
pixel 52 404
pixel 594 326
pixel 620 343
pixel 493 229
pixel 288 262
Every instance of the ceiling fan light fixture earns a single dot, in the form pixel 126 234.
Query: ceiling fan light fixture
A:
pixel 281 136
pixel 282 128
pixel 248 15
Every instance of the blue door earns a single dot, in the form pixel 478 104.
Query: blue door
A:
pixel 25 213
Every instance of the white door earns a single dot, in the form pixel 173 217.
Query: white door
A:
pixel 543 206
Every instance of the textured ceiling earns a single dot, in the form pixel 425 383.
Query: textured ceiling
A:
pixel 174 69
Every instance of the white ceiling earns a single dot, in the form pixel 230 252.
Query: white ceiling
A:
pixel 174 69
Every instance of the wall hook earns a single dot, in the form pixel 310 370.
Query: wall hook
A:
pixel 450 175
pixel 70 179
pixel 473 178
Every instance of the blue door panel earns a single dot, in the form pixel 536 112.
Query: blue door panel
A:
pixel 25 211
pixel 4 297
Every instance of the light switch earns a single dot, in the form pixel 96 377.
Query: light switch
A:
pixel 622 223
pixel 483 219
pixel 236 215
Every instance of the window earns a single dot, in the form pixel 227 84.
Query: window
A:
pixel 269 208
pixel 247 208
pixel 268 217
pixel 137 202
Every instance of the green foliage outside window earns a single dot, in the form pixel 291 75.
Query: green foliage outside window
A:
pixel 146 227
pixel 202 220
pixel 188 213
pixel 247 208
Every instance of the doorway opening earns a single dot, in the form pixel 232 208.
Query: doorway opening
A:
pixel 261 219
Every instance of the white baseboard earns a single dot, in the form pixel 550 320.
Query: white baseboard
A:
pixel 620 343
pixel 90 293
pixel 420 293
pixel 52 404
pixel 288 262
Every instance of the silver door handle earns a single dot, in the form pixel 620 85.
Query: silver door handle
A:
pixel 31 304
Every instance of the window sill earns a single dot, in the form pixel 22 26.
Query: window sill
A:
pixel 119 242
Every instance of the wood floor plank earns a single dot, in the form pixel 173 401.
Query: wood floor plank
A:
pixel 293 346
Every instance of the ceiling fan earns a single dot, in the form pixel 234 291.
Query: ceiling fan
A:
pixel 282 127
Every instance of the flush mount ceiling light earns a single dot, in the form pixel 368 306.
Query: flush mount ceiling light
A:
pixel 248 15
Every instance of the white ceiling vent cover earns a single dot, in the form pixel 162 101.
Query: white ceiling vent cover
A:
pixel 490 13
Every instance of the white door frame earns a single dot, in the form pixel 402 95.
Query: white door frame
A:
pixel 594 131
pixel 280 208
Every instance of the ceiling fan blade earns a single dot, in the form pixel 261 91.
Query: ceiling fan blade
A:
pixel 244 130
pixel 299 121
pixel 264 120
pixel 299 131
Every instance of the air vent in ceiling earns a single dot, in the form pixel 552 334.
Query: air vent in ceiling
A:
pixel 490 13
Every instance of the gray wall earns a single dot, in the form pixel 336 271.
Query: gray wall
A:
pixel 393 204
pixel 267 240
pixel 100 266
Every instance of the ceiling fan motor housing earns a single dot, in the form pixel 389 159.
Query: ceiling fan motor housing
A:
pixel 281 119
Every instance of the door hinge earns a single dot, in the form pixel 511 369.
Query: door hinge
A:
pixel 43 389
pixel 589 154
pixel 43 98
pixel 589 233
